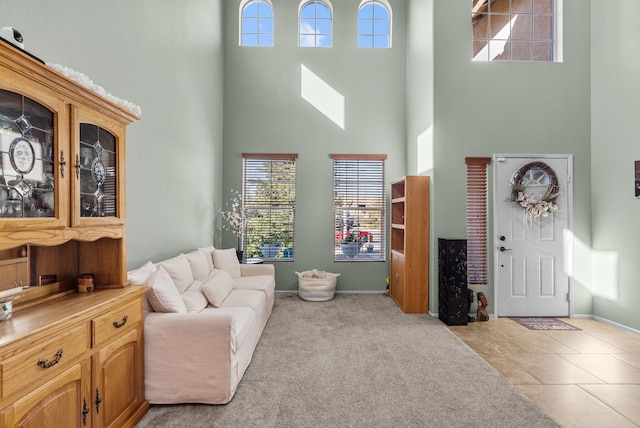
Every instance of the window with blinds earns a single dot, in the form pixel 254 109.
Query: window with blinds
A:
pixel 269 201
pixel 359 207
pixel 477 220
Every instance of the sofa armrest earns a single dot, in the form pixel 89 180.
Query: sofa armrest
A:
pixel 257 269
pixel 183 350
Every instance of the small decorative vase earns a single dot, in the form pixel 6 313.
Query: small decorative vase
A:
pixel 240 254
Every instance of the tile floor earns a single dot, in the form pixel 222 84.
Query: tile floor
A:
pixel 588 378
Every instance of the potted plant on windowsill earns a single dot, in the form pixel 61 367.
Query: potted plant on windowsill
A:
pixel 270 245
pixel 351 244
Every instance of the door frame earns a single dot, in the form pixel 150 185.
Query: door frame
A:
pixel 567 236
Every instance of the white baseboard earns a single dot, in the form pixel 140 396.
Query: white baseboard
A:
pixel 606 321
pixel 338 292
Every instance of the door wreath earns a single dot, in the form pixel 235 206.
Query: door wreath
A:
pixel 535 207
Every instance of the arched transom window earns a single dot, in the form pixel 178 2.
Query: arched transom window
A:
pixel 315 28
pixel 256 23
pixel 374 24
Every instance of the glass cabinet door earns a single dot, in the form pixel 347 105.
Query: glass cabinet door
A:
pixel 28 157
pixel 98 195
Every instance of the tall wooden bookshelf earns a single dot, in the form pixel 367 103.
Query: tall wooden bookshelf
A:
pixel 409 276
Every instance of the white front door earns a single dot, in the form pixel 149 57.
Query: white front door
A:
pixel 530 250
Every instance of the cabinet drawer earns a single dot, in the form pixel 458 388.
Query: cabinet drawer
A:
pixel 49 357
pixel 115 322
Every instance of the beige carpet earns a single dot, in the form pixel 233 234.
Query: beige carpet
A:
pixel 358 361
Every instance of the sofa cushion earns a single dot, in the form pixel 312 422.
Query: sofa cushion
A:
pixel 227 260
pixel 217 286
pixel 141 275
pixel 264 283
pixel 200 267
pixel 194 298
pixel 163 294
pixel 253 299
pixel 179 269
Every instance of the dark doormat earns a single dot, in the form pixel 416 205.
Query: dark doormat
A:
pixel 538 323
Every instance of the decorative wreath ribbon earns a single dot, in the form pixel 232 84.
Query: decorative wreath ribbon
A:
pixel 533 206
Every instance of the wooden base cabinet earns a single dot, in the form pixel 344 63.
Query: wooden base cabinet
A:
pixel 118 393
pixel 409 275
pixel 397 285
pixel 74 362
pixel 57 403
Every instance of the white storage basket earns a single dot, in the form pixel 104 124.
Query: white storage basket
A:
pixel 316 286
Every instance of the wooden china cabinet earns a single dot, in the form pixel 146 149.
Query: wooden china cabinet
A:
pixel 67 358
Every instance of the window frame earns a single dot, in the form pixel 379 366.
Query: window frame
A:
pixel 482 40
pixel 342 170
pixel 386 5
pixel 254 205
pixel 329 7
pixel 243 5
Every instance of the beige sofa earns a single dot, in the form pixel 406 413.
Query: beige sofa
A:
pixel 204 315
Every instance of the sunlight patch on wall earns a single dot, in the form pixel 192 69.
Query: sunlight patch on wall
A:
pixel 605 274
pixel 322 96
pixel 595 270
pixel 424 145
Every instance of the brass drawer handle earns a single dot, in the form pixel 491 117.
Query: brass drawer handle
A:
pixel 46 364
pixel 117 324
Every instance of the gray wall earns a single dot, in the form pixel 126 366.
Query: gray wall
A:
pixel 433 108
pixel 420 112
pixel 167 58
pixel 265 113
pixel 615 129
pixel 509 107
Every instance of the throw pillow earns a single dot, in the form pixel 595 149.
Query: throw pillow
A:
pixel 217 287
pixel 141 275
pixel 163 294
pixel 194 298
pixel 199 264
pixel 179 269
pixel 227 260
pixel 208 251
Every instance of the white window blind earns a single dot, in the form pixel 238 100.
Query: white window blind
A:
pixel 359 212
pixel 269 198
pixel 477 220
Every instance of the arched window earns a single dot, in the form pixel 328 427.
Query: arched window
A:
pixel 374 24
pixel 256 23
pixel 315 28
